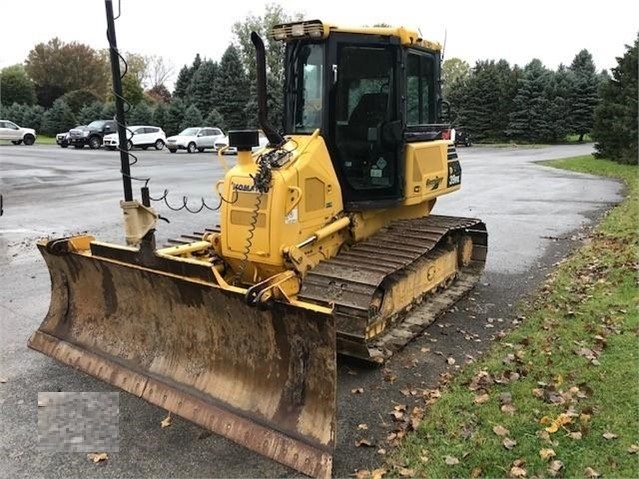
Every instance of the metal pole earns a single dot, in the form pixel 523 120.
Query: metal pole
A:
pixel 119 103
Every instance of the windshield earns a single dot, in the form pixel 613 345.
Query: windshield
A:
pixel 97 124
pixel 306 78
pixel 189 132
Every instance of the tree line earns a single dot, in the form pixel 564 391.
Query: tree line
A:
pixel 61 85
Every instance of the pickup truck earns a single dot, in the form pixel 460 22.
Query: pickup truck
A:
pixel 92 134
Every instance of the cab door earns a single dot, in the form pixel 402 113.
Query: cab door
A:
pixel 364 125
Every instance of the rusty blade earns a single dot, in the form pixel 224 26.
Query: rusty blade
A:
pixel 264 379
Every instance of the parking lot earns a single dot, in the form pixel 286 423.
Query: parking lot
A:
pixel 535 215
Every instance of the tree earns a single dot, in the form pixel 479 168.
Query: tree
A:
pixel 454 73
pixel 16 87
pixel 174 117
pixel 192 117
pixel 214 119
pixel 91 112
pixel 14 112
pixel 584 94
pixel 57 67
pixel 615 125
pixel 159 71
pixel 201 90
pixel 141 114
pixel 183 82
pixel 159 93
pixel 529 120
pixel 33 116
pixel 108 111
pixel 231 89
pixel 58 118
pixel 76 99
pixel 160 114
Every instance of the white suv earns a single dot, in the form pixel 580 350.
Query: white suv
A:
pixel 139 137
pixel 194 139
pixel 12 132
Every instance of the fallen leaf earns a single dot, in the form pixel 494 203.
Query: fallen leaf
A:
pixel 509 443
pixel 363 442
pixel 500 430
pixel 405 472
pixel 357 391
pixel 505 398
pixel 555 424
pixel 42 403
pixel 397 415
pixel 362 427
pixel 609 435
pixel 476 472
pixel 590 472
pixel 166 422
pixel 546 454
pixel 517 471
pixel 381 451
pixel 3 380
pixel 554 467
pixel 97 457
pixel 508 409
pixel 451 460
pixel 575 435
pixel 378 473
pixel 362 474
pixel 451 360
pixel 481 399
pixel 634 448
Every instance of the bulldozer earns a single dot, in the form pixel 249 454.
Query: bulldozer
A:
pixel 326 245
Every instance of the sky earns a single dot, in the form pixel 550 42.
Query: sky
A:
pixel 517 30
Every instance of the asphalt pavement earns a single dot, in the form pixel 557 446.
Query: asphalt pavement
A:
pixel 535 216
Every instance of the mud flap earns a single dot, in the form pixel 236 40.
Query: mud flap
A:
pixel 264 379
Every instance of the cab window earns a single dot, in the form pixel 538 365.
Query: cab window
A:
pixel 420 90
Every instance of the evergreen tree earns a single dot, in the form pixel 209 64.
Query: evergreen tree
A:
pixel 14 113
pixel 529 119
pixel 274 104
pixel 174 117
pixel 558 92
pixel 58 118
pixel 192 118
pixel 159 116
pixel 615 126
pixel 141 114
pixel 32 117
pixel 89 113
pixel 76 99
pixel 231 89
pixel 215 119
pixel 108 111
pixel 584 97
pixel 202 88
pixel 182 83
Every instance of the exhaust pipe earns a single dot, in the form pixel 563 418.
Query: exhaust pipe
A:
pixel 274 138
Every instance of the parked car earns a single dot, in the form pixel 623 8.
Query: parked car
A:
pixel 462 136
pixel 138 137
pixel 62 139
pixel 91 134
pixel 231 150
pixel 194 139
pixel 16 134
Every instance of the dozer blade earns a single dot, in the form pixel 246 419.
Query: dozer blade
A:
pixel 170 335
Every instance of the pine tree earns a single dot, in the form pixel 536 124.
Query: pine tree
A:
pixel 160 114
pixel 215 119
pixel 202 89
pixel 529 119
pixel 182 88
pixel 231 89
pixel 192 118
pixel 91 112
pixel 615 126
pixel 58 118
pixel 584 97
pixel 33 116
pixel 108 111
pixel 141 114
pixel 174 117
pixel 557 92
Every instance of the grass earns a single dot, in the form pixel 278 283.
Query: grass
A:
pixel 564 383
pixel 45 140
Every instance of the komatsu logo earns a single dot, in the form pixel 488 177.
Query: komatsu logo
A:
pixel 241 187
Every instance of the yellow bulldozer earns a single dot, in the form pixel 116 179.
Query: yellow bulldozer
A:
pixel 326 246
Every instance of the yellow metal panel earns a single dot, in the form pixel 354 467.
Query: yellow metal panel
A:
pixel 314 190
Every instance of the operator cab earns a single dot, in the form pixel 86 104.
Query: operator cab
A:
pixel 369 93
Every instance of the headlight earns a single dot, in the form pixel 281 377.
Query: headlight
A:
pixel 85 133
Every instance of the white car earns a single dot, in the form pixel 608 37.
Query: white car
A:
pixel 194 139
pixel 139 137
pixel 15 134
pixel 231 150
